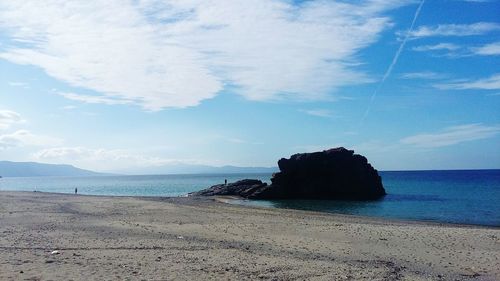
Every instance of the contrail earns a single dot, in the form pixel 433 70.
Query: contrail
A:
pixel 394 61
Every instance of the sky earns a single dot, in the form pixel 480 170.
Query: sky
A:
pixel 126 85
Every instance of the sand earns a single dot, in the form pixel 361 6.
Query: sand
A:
pixel 125 238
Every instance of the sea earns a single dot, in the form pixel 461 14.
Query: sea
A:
pixel 451 196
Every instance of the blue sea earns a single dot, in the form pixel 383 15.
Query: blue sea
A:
pixel 467 197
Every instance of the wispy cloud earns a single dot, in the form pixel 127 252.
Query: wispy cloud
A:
pixel 88 153
pixel 437 47
pixel 478 28
pixel 318 112
pixel 179 53
pixel 26 138
pixel 490 83
pixel 94 99
pixel 452 135
pixel 454 50
pixel 492 49
pixel 18 84
pixel 427 75
pixel 100 158
pixel 22 137
pixel 8 118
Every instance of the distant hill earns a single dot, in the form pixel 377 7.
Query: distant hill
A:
pixel 179 168
pixel 33 169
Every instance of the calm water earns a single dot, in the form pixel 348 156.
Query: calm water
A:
pixel 471 197
pixel 160 185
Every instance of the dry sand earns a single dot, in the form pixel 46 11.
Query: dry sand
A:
pixel 123 238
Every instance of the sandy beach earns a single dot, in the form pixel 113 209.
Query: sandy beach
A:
pixel 125 238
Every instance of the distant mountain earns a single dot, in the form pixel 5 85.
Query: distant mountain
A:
pixel 179 168
pixel 33 169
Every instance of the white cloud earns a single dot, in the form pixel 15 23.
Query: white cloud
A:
pixel 454 50
pixel 488 49
pixel 8 117
pixel 429 75
pixel 21 137
pixel 99 159
pixel 452 135
pixel 478 28
pixel 319 112
pixel 87 153
pixel 490 83
pixel 94 99
pixel 162 54
pixel 26 138
pixel 18 84
pixel 436 47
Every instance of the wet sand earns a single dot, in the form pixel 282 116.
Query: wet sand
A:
pixel 125 238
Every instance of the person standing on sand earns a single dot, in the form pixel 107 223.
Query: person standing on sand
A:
pixel 225 182
pixel 76 190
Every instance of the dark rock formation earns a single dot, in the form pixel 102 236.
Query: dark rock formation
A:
pixel 243 188
pixel 331 174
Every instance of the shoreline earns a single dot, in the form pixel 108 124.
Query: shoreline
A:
pixel 186 238
pixel 371 219
pixel 225 199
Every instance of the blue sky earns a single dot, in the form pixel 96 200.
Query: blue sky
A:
pixel 117 85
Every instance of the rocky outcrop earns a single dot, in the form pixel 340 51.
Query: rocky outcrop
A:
pixel 336 173
pixel 331 174
pixel 244 188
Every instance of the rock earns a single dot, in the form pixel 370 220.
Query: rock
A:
pixel 336 173
pixel 241 188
